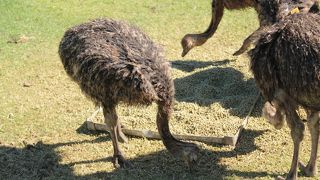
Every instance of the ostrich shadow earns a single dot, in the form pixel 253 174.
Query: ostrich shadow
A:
pixel 191 65
pixel 162 164
pixel 38 161
pixel 41 161
pixel 223 85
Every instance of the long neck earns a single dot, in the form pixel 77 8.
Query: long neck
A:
pixel 163 116
pixel 217 13
pixel 173 145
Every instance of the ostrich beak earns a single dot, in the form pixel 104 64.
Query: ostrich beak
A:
pixel 187 44
pixel 185 52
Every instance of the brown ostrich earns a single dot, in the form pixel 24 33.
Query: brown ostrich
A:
pixel 115 62
pixel 265 9
pixel 286 66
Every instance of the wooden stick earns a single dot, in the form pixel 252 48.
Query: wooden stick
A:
pixel 246 120
pixel 154 135
pixel 228 140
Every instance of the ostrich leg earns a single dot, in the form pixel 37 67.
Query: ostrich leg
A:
pixel 297 130
pixel 122 137
pixel 313 125
pixel 111 119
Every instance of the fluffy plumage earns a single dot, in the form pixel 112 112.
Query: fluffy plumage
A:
pixel 288 57
pixel 111 60
pixel 286 65
pixel 114 62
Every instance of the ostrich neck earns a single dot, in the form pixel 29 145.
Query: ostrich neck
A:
pixel 217 13
pixel 199 39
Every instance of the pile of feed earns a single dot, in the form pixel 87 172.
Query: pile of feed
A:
pixel 209 102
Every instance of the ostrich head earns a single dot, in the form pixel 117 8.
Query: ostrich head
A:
pixel 190 154
pixel 189 41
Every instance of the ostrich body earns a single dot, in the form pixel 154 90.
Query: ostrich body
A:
pixel 267 14
pixel 286 66
pixel 115 62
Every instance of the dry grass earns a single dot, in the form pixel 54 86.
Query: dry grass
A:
pixel 42 111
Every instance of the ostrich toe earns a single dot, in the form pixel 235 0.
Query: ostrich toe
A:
pixel 280 178
pixel 286 178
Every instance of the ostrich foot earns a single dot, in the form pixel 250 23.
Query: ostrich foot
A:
pixel 287 178
pixel 290 176
pixel 308 170
pixel 120 162
pixel 280 178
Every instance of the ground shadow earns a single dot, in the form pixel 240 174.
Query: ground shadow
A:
pixel 38 161
pixel 224 85
pixel 162 165
pixel 191 65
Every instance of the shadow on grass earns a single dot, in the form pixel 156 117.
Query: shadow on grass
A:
pixel 42 161
pixel 37 161
pixel 224 85
pixel 191 65
pixel 162 165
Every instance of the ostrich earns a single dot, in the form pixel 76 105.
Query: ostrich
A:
pixel 115 62
pixel 286 66
pixel 266 15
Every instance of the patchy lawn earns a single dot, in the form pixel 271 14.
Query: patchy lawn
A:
pixel 43 111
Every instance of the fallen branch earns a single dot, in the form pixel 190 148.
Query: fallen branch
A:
pixel 246 120
pixel 228 140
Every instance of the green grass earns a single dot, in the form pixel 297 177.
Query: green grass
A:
pixel 41 132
